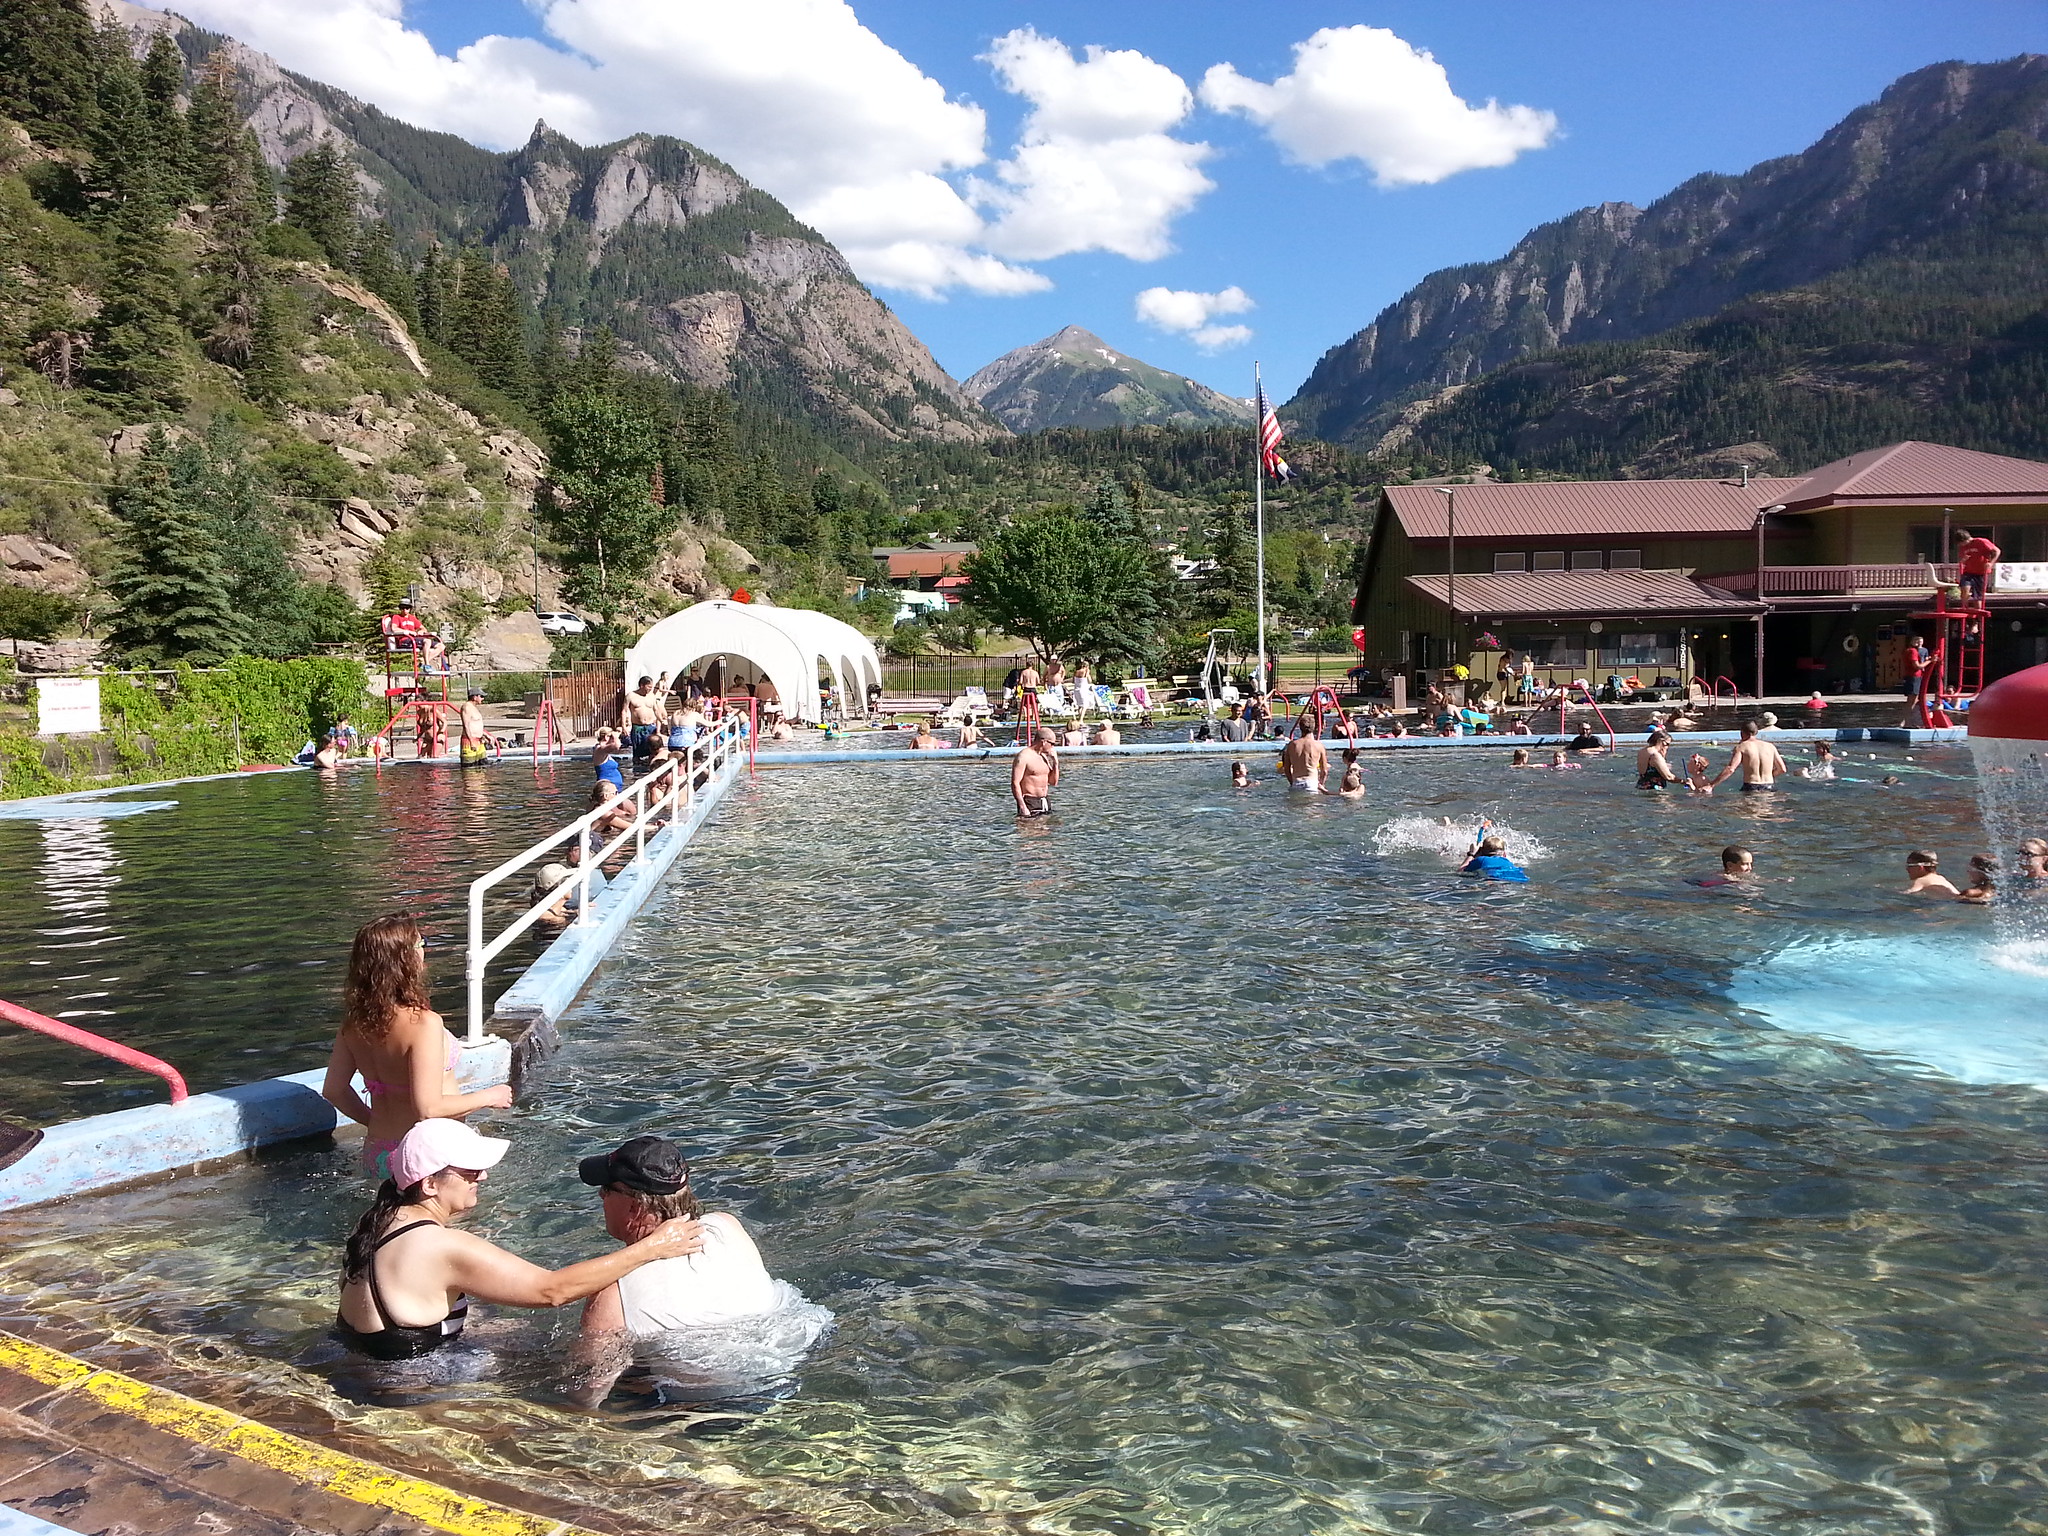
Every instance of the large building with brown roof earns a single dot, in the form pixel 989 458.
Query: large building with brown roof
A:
pixel 1818 574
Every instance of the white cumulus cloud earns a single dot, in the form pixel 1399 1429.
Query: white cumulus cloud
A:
pixel 1192 314
pixel 1362 93
pixel 797 95
pixel 1096 168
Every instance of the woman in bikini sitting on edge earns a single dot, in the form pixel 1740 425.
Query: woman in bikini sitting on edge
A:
pixel 392 1036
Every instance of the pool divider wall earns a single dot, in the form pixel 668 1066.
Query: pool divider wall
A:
pixel 130 1146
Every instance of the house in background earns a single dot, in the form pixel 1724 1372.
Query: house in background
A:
pixel 1808 579
pixel 926 576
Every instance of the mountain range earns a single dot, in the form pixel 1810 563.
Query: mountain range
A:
pixel 1885 282
pixel 1075 379
pixel 701 275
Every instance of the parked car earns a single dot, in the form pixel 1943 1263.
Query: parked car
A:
pixel 560 623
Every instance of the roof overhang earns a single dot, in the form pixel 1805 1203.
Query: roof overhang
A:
pixel 1621 595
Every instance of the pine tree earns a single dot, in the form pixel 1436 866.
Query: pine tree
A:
pixel 242 524
pixel 320 199
pixel 213 126
pixel 231 268
pixel 486 329
pixel 49 69
pixel 137 337
pixel 269 373
pixel 174 602
pixel 431 288
pixel 162 78
pixel 383 274
pixel 123 138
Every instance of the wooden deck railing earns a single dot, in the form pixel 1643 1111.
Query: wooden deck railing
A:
pixel 1836 580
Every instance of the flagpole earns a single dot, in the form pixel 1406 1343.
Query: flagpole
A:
pixel 1259 509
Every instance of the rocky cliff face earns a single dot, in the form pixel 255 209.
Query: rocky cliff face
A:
pixel 1075 379
pixel 1946 154
pixel 703 276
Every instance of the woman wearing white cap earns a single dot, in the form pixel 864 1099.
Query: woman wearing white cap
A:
pixel 408 1274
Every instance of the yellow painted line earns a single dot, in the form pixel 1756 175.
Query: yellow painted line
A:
pixel 217 1429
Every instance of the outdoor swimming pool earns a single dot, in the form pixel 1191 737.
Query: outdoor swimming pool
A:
pixel 214 933
pixel 1184 1164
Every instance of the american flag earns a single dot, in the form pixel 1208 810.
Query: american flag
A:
pixel 1269 440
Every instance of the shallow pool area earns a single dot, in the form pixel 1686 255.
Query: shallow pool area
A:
pixel 1202 1161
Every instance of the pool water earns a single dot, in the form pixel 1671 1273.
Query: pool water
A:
pixel 1207 1162
pixel 214 931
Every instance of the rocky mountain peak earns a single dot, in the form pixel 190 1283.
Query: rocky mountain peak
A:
pixel 1937 150
pixel 1075 378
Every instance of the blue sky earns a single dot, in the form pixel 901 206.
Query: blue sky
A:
pixel 1644 95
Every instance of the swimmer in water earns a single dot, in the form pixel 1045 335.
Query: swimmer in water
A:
pixel 1075 735
pixel 1352 785
pixel 1738 867
pixel 1924 877
pixel 1982 887
pixel 1240 777
pixel 1653 768
pixel 1520 759
pixel 1823 764
pixel 970 734
pixel 2033 859
pixel 1488 858
pixel 1561 763
pixel 1696 779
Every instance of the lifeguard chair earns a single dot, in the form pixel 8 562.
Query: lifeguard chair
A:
pixel 414 658
pixel 1954 669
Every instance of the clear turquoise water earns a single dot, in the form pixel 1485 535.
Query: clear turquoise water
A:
pixel 1183 1164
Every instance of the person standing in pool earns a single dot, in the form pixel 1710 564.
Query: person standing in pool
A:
pixel 640 715
pixel 391 1035
pixel 1304 762
pixel 1653 768
pixel 1759 762
pixel 476 742
pixel 406 1260
pixel 1924 877
pixel 1034 774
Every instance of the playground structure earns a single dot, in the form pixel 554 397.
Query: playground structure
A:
pixel 1953 674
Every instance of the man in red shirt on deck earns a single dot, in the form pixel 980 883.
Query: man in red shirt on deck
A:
pixel 1973 564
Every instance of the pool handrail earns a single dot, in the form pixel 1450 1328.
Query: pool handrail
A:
pixel 670 787
pixel 99 1045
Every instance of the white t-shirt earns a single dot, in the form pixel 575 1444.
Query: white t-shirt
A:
pixel 724 1281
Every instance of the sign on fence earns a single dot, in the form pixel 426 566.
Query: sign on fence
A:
pixel 67 704
pixel 2020 576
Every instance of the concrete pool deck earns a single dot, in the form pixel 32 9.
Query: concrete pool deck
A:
pixel 87 1448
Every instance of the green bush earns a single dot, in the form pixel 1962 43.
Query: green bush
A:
pixel 26 615
pixel 505 687
pixel 290 243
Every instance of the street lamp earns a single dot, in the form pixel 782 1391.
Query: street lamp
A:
pixel 1762 513
pixel 1450 496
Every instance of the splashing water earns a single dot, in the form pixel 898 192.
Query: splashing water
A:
pixel 2012 797
pixel 1428 834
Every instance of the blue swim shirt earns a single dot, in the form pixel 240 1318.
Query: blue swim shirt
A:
pixel 1492 866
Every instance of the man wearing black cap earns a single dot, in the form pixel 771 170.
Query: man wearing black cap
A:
pixel 476 742
pixel 646 1182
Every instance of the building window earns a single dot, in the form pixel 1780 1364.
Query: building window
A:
pixel 1505 563
pixel 1585 559
pixel 1548 560
pixel 1624 559
pixel 1550 650
pixel 1639 650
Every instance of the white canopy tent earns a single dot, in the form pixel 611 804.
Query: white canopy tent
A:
pixel 783 645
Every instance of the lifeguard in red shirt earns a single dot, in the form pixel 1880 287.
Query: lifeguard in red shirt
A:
pixel 405 631
pixel 1974 561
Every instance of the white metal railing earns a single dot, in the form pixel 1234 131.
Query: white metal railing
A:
pixel 667 791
